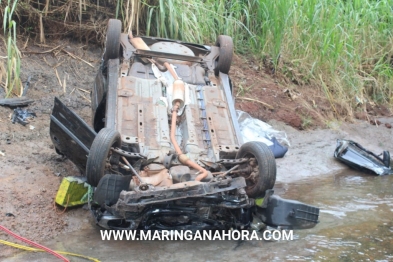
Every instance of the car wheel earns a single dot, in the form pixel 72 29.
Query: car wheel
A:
pixel 263 168
pixel 99 154
pixel 224 60
pixel 112 41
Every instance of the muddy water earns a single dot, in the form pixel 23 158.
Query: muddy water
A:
pixel 355 225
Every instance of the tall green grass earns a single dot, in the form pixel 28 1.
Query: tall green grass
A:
pixel 343 46
pixel 13 83
pixel 202 21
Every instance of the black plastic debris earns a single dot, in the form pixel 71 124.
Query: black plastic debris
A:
pixel 22 116
pixel 9 215
pixel 16 101
pixel 359 158
pixel 286 214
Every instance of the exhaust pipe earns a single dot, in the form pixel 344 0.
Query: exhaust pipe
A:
pixel 177 103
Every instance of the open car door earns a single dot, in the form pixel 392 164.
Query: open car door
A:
pixel 70 135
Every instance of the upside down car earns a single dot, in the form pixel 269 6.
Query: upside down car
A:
pixel 164 150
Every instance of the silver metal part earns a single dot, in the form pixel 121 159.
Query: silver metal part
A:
pixel 132 169
pixel 230 170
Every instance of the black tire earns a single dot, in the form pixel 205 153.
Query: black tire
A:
pixel 264 172
pixel 109 188
pixel 224 59
pixel 112 41
pixel 99 154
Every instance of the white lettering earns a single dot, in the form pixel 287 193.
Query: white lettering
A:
pixel 226 234
pixel 254 235
pixel 216 235
pixel 156 235
pixel 188 235
pixel 267 235
pixel 165 235
pixel 235 235
pixel 130 234
pixel 287 235
pixel 179 234
pixel 118 234
pixel 207 235
pixel 198 236
pixel 106 234
pixel 245 234
pixel 276 235
pixel 145 235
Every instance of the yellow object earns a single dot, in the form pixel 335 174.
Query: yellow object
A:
pixel 259 201
pixel 73 191
pixel 40 250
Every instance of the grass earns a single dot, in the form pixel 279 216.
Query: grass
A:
pixel 12 83
pixel 339 46
pixel 201 21
pixel 307 121
pixel 342 47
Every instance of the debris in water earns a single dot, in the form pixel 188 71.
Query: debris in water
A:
pixel 359 158
pixel 22 116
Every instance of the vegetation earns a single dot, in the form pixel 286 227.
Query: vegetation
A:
pixel 11 71
pixel 343 47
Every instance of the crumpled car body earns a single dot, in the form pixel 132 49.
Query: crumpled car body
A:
pixel 165 150
pixel 357 157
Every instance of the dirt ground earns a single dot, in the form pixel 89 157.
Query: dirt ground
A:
pixel 31 171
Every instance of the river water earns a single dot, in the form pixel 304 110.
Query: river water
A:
pixel 355 225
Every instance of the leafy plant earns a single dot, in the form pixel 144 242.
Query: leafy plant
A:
pixel 13 83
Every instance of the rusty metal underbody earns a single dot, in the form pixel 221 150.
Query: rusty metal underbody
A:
pixel 143 121
pixel 141 108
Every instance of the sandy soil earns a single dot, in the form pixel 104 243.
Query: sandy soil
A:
pixel 31 171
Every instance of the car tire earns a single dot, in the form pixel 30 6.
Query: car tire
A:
pixel 112 41
pixel 224 60
pixel 264 173
pixel 99 154
pixel 109 189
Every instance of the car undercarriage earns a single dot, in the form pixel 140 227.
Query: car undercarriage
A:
pixel 165 150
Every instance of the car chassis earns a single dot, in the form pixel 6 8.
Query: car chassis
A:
pixel 165 150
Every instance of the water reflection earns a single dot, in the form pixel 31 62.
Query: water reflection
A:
pixel 355 225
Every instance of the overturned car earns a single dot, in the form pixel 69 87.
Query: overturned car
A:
pixel 165 150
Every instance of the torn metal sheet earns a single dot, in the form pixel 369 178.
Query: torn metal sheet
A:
pixel 359 158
